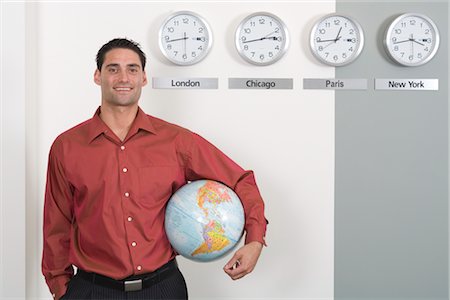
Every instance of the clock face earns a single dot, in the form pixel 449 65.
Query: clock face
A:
pixel 336 40
pixel 261 38
pixel 412 39
pixel 185 38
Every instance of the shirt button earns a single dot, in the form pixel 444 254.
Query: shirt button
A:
pixel 133 244
pixel 124 170
pixel 139 268
pixel 130 219
pixel 127 194
pixel 122 148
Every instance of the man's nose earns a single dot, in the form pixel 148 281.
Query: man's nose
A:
pixel 123 76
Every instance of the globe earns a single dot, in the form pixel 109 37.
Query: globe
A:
pixel 204 220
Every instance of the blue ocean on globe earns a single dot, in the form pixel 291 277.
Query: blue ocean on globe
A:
pixel 204 220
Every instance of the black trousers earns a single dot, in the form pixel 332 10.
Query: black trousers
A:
pixel 173 287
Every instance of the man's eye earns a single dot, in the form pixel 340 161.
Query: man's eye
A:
pixel 112 70
pixel 133 70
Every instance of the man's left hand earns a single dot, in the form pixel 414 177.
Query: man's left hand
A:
pixel 243 261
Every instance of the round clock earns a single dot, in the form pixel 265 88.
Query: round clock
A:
pixel 412 39
pixel 185 38
pixel 262 38
pixel 336 40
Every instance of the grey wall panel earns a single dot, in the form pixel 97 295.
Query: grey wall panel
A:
pixel 391 190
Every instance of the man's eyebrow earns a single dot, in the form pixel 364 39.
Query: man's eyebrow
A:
pixel 134 65
pixel 111 65
pixel 115 65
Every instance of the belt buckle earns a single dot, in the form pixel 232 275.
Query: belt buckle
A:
pixel 133 285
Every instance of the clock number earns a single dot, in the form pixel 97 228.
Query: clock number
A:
pixel 166 38
pixel 262 21
pixel 169 47
pixel 194 54
pixel 252 23
pixel 201 29
pixel 403 24
pixel 247 30
pixel 322 31
pixel 398 31
pixel 184 56
pixel 261 57
pixel 270 54
pixel 427 31
pixel 176 53
pixel 351 31
pixel 426 49
pixel 326 54
pixel 337 22
pixel 335 57
pixel 328 24
pixel 176 23
pixel 396 48
pixel 344 55
pixel 411 57
pixel 200 48
pixel 277 29
pixel 277 47
pixel 253 54
pixel 402 54
pixel 419 56
pixel 320 48
pixel 170 29
pixel 412 22
pixel 243 38
pixel 245 47
pixel 185 20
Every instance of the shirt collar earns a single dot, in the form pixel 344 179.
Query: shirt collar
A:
pixel 97 126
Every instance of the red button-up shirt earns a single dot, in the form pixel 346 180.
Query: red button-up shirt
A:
pixel 105 198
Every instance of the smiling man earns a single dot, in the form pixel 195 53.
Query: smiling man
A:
pixel 108 182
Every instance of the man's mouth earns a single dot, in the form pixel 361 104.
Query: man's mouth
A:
pixel 122 89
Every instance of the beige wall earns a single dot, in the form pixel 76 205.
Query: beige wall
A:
pixel 285 136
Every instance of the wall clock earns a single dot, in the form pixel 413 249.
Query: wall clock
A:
pixel 185 38
pixel 262 38
pixel 336 40
pixel 411 39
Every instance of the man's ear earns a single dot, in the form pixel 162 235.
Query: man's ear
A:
pixel 97 77
pixel 144 80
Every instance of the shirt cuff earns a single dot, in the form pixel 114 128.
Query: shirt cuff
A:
pixel 58 287
pixel 255 233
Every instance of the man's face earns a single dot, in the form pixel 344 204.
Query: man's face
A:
pixel 121 78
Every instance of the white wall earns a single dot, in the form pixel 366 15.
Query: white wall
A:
pixel 285 136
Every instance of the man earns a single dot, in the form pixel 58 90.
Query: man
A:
pixel 108 182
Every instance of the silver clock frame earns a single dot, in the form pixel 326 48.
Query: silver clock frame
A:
pixel 387 39
pixel 285 45
pixel 208 46
pixel 356 53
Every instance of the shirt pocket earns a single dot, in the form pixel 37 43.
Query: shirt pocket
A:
pixel 158 183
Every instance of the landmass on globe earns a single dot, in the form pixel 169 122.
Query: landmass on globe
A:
pixel 213 232
pixel 214 239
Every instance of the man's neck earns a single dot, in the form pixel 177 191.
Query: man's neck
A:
pixel 119 118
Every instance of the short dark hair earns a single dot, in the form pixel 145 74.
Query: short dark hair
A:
pixel 119 43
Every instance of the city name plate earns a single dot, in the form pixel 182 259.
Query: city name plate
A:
pixel 334 84
pixel 261 83
pixel 184 83
pixel 407 84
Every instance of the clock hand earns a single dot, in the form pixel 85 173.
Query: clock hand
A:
pixel 321 41
pixel 415 41
pixel 185 38
pixel 330 43
pixel 399 42
pixel 180 39
pixel 337 36
pixel 260 39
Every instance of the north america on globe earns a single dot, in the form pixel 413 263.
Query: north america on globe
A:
pixel 213 232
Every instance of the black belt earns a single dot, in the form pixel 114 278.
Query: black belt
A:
pixel 133 283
